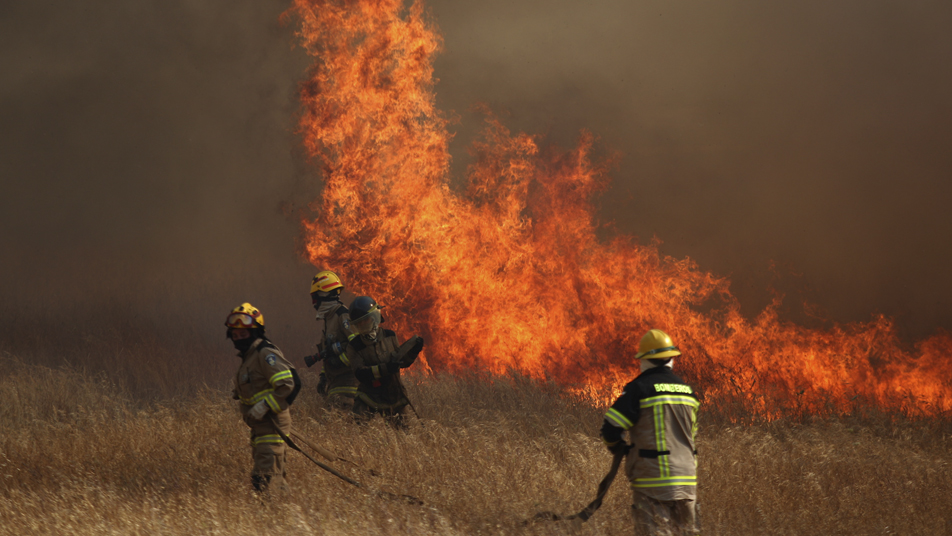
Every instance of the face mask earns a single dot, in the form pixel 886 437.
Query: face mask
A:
pixel 324 308
pixel 242 345
pixel 370 337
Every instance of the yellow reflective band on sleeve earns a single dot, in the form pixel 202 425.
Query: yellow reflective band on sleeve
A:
pixel 376 370
pixel 283 375
pixel 343 358
pixel 664 481
pixel 350 391
pixel 669 399
pixel 607 444
pixel 351 336
pixel 270 438
pixel 272 403
pixel 256 398
pixel 616 418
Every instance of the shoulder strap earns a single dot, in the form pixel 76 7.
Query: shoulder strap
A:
pixel 297 387
pixel 358 343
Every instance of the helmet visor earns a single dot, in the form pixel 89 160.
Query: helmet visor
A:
pixel 368 323
pixel 240 321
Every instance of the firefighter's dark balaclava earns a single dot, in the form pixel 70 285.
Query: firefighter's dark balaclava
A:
pixel 647 364
pixel 242 345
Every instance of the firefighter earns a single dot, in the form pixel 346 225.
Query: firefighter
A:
pixel 376 362
pixel 659 412
pixel 338 384
pixel 265 384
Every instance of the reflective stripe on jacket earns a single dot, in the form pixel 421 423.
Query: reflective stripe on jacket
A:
pixel 264 374
pixel 385 391
pixel 269 438
pixel 659 411
pixel 337 366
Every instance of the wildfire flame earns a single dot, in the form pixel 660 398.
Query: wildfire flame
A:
pixel 507 273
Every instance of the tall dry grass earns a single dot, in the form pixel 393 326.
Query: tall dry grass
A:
pixel 81 455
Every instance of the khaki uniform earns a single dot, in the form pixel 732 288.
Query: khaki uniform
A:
pixel 341 382
pixel 659 411
pixel 266 375
pixel 383 393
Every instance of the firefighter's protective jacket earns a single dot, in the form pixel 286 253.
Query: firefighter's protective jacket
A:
pixel 385 390
pixel 340 379
pixel 266 375
pixel 659 411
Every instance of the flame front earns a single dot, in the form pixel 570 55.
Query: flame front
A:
pixel 507 274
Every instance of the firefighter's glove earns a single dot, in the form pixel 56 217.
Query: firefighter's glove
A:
pixel 392 368
pixel 619 448
pixel 364 375
pixel 258 410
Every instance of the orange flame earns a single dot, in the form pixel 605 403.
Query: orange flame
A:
pixel 508 274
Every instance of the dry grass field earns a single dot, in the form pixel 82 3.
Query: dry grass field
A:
pixel 80 454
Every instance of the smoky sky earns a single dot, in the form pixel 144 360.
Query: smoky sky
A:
pixel 803 146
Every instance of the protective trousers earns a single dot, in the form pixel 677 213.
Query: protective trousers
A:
pixel 269 453
pixel 364 412
pixel 664 518
pixel 339 401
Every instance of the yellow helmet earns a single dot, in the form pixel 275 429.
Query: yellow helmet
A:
pixel 656 344
pixel 245 316
pixel 326 281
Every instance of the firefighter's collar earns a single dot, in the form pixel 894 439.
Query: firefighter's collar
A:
pixel 254 347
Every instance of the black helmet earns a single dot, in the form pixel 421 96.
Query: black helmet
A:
pixel 361 306
pixel 365 316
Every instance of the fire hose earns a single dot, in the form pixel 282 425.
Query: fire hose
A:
pixel 589 510
pixel 329 455
pixel 325 453
pixel 398 357
pixel 321 450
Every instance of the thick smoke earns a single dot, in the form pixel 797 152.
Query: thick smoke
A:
pixel 148 147
pixel 812 134
pixel 143 125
